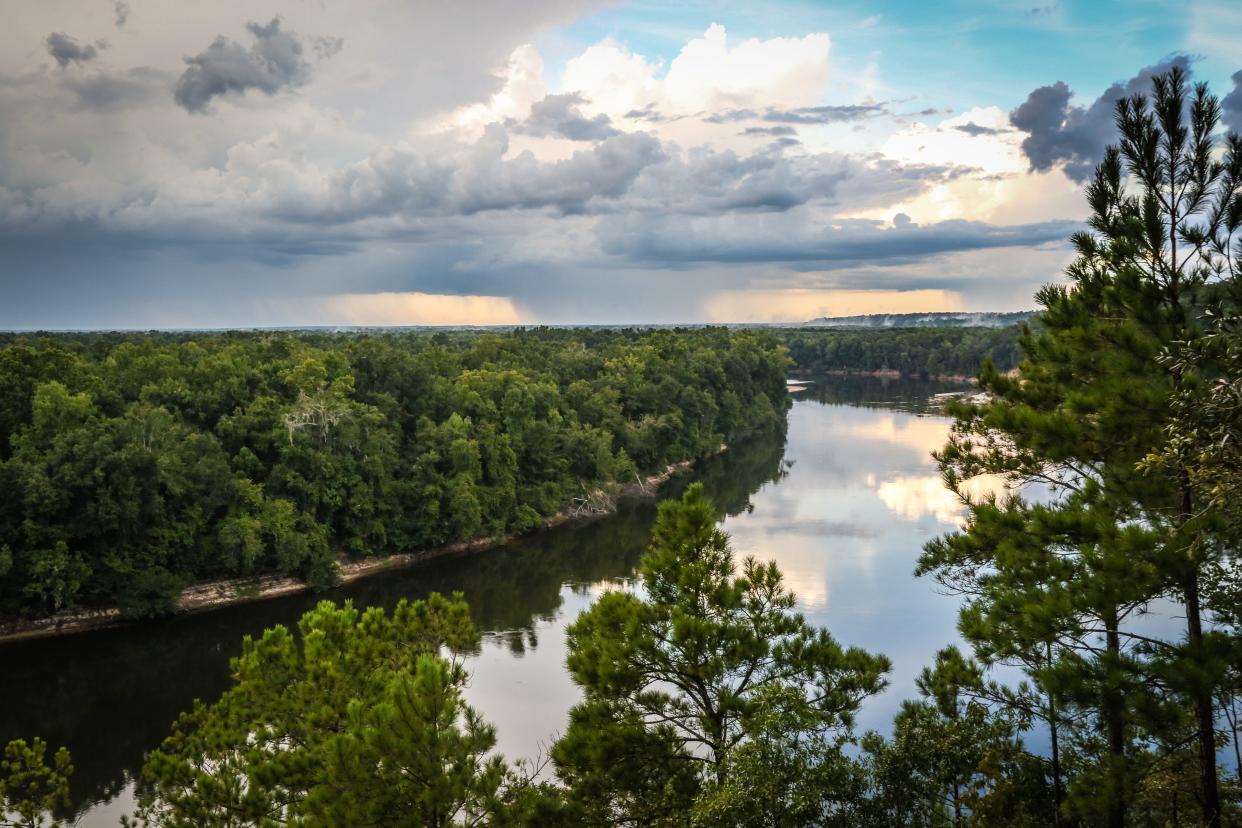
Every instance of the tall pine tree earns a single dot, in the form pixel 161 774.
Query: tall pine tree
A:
pixel 1094 396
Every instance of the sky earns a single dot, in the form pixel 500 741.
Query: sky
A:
pixel 386 162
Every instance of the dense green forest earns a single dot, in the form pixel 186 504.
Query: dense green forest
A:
pixel 911 351
pixel 135 464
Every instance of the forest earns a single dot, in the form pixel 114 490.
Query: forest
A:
pixel 134 465
pixel 925 352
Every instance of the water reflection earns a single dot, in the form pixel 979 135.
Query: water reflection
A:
pixel 824 504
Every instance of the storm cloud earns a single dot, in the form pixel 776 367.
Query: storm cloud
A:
pixel 1232 104
pixel 443 153
pixel 1076 136
pixel 66 50
pixel 842 244
pixel 275 62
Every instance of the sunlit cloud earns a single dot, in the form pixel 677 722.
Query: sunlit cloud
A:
pixel 420 309
pixel 995 184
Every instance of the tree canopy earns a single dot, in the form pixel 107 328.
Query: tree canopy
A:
pixel 137 464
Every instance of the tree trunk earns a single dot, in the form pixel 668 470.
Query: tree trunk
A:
pixel 1056 751
pixel 1114 726
pixel 1233 725
pixel 1205 718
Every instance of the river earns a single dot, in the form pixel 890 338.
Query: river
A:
pixel 842 502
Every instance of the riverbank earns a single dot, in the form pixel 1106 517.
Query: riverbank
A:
pixel 886 373
pixel 221 593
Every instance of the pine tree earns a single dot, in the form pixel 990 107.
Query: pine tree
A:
pixel 30 788
pixel 1094 396
pixel 357 720
pixel 689 683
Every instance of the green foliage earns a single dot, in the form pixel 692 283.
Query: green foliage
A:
pixel 31 789
pixel 1058 586
pixel 783 776
pixel 418 757
pixel 134 463
pixel 357 719
pixel 697 678
pixel 909 351
pixel 953 759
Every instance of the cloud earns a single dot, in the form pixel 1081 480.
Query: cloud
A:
pixel 801 115
pixel 648 113
pixel 578 197
pixel 414 308
pixel 1232 105
pixel 974 130
pixel 399 183
pixel 275 62
pixel 120 11
pixel 710 73
pixel 1075 136
pixel 772 130
pixel 825 114
pixel 66 49
pixel 120 90
pixel 1043 11
pixel 823 245
pixel 561 116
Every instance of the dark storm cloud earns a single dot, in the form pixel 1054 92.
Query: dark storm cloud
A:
pixel 1058 132
pixel 626 172
pixel 276 61
pixel 120 12
pixel 66 49
pixel 561 116
pixel 800 115
pixel 846 243
pixel 401 184
pixel 1232 105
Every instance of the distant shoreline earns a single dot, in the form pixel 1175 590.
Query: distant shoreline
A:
pixel 209 595
pixel 889 373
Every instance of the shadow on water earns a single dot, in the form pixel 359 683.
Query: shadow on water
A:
pixel 111 695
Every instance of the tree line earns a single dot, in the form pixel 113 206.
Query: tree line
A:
pixel 134 465
pixel 927 352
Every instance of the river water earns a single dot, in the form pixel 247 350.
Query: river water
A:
pixel 842 502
